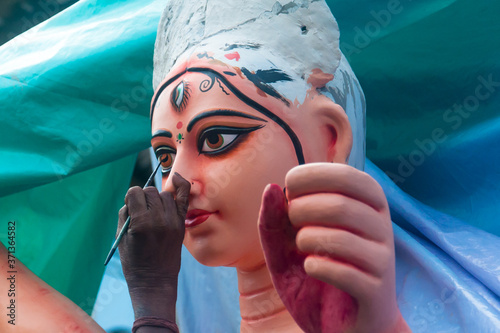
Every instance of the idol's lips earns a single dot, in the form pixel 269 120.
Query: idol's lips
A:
pixel 195 217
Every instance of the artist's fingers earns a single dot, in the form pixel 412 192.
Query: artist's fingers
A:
pixel 155 207
pixel 335 178
pixel 148 213
pixel 135 201
pixel 341 275
pixel 371 257
pixel 276 234
pixel 122 217
pixel 170 209
pixel 153 200
pixel 182 189
pixel 339 211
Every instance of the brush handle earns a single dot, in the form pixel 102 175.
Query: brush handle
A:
pixel 117 241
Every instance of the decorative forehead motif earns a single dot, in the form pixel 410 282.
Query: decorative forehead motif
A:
pixel 180 95
pixel 251 83
pixel 233 89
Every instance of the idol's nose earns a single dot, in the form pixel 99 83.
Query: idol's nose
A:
pixel 185 168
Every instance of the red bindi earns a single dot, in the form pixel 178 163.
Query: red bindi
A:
pixel 179 124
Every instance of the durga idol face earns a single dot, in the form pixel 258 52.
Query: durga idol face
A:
pixel 229 140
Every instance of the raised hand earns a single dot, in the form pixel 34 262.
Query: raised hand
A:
pixel 330 250
pixel 150 251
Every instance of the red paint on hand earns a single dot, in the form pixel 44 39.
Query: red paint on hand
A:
pixel 234 55
pixel 315 306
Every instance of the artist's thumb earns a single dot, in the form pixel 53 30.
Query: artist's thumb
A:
pixel 182 189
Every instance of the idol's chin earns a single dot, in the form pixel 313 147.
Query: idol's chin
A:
pixel 219 257
pixel 212 257
pixel 245 262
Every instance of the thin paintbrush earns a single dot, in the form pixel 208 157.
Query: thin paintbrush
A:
pixel 127 222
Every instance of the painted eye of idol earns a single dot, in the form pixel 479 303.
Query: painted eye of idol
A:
pixel 166 156
pixel 220 139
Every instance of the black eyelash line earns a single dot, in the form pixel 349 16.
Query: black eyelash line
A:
pixel 163 150
pixel 253 104
pixel 224 130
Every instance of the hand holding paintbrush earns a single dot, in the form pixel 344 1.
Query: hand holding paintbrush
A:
pixel 150 251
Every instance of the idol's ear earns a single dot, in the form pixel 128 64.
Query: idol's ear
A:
pixel 334 118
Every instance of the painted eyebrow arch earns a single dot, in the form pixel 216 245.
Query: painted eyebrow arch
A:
pixel 162 133
pixel 220 112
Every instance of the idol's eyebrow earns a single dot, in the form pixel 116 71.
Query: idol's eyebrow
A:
pixel 163 133
pixel 220 112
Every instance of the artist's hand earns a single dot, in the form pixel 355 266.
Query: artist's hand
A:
pixel 330 250
pixel 150 251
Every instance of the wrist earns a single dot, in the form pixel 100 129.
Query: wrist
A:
pixel 154 325
pixel 151 285
pixel 157 301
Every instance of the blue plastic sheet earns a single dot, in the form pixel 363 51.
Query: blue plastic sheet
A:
pixel 447 274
